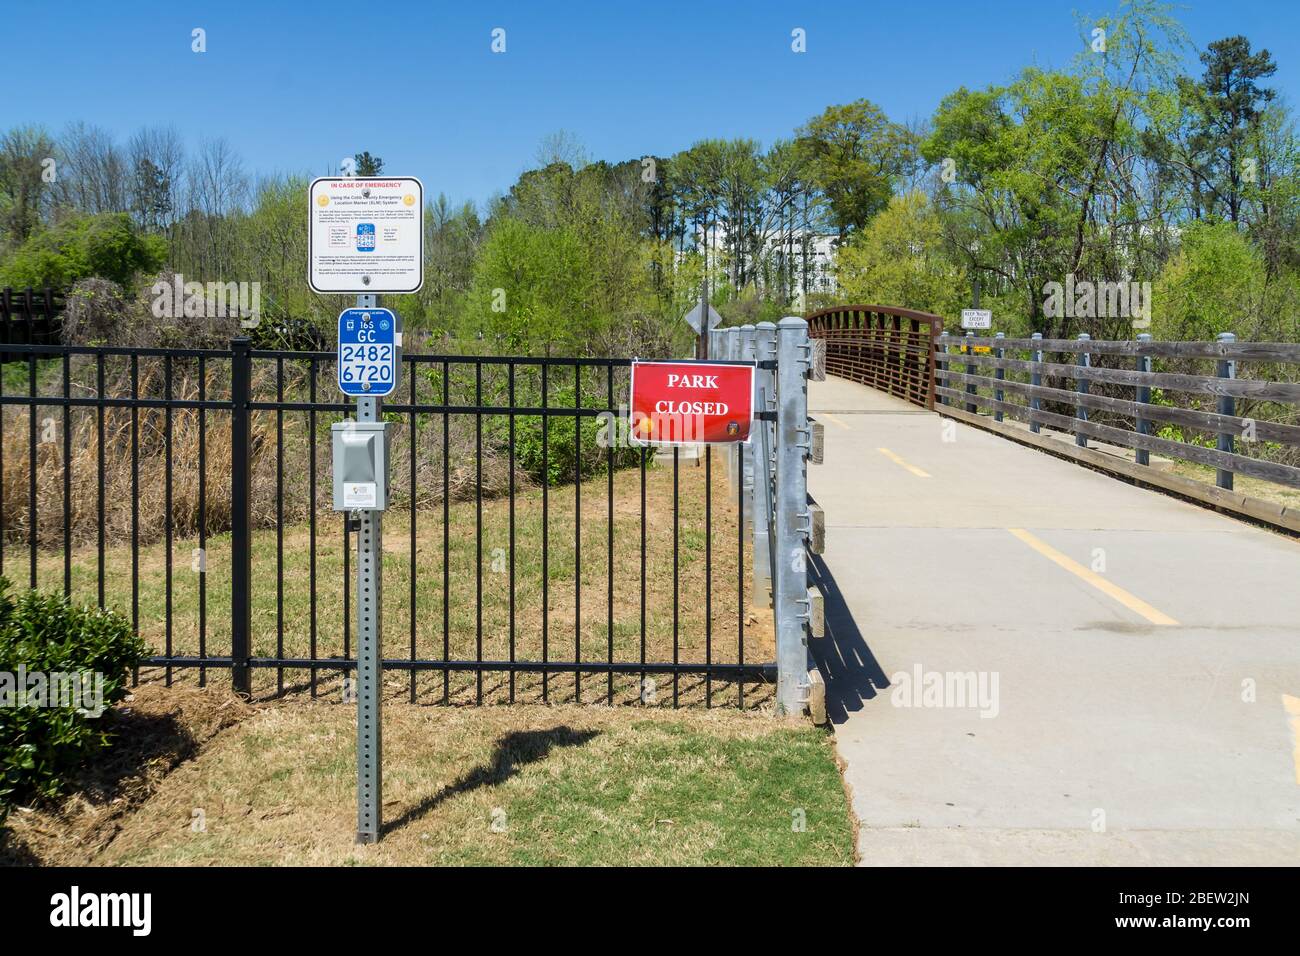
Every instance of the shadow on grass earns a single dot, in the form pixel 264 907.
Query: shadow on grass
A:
pixel 852 673
pixel 144 745
pixel 141 742
pixel 512 750
pixel 13 852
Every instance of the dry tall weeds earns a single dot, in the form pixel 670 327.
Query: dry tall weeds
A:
pixel 135 496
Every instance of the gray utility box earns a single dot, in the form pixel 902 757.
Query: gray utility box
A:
pixel 360 465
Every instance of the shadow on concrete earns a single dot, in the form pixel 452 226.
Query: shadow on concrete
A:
pixel 852 673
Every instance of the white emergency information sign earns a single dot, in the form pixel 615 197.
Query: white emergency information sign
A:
pixel 366 235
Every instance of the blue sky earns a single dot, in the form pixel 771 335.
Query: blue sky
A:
pixel 295 87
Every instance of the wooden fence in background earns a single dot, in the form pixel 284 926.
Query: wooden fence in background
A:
pixel 1107 391
pixel 30 317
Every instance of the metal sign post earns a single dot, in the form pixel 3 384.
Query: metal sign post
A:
pixel 365 236
pixel 702 319
pixel 369 359
pixel 370 657
pixel 369 365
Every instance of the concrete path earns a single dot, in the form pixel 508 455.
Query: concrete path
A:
pixel 1030 662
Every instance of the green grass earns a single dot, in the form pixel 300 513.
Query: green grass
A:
pixel 1245 484
pixel 518 786
pixel 298 627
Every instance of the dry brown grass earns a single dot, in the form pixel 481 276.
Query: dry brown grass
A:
pixel 281 454
pixel 125 498
pixel 157 731
pixel 575 785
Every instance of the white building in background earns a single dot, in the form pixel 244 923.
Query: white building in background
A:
pixel 820 277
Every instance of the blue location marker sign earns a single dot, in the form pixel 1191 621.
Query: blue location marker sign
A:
pixel 368 352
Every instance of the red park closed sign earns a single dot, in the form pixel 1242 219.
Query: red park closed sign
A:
pixel 682 403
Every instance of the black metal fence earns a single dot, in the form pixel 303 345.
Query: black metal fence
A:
pixel 532 555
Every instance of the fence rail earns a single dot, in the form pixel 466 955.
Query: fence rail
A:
pixel 1130 420
pixel 887 348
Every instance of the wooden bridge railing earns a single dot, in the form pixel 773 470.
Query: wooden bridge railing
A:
pixel 887 348
pixel 1109 391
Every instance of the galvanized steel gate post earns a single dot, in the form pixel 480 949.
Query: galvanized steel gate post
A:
pixel 761 453
pixel 748 470
pixel 370 657
pixel 792 515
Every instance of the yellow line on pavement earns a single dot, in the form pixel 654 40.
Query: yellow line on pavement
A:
pixel 1292 707
pixel 1134 604
pixel 833 420
pixel 902 464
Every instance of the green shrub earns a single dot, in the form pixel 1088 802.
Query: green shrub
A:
pixel 562 451
pixel 108 245
pixel 45 633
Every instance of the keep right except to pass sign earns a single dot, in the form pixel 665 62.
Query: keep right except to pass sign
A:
pixel 682 403
pixel 976 319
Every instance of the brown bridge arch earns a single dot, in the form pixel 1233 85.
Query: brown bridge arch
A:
pixel 887 348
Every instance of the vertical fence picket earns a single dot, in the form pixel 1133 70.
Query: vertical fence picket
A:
pixel 241 551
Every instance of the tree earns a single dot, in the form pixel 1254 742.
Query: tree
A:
pixel 92 172
pixel 206 244
pixel 452 237
pixel 368 165
pixel 1052 175
pixel 899 258
pixel 157 159
pixel 855 155
pixel 1271 197
pixel 531 287
pixel 1219 282
pixel 1227 106
pixel 25 155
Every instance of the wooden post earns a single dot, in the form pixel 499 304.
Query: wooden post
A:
pixel 1227 368
pixel 1035 378
pixel 1143 396
pixel 970 370
pixel 1081 386
pixel 998 374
